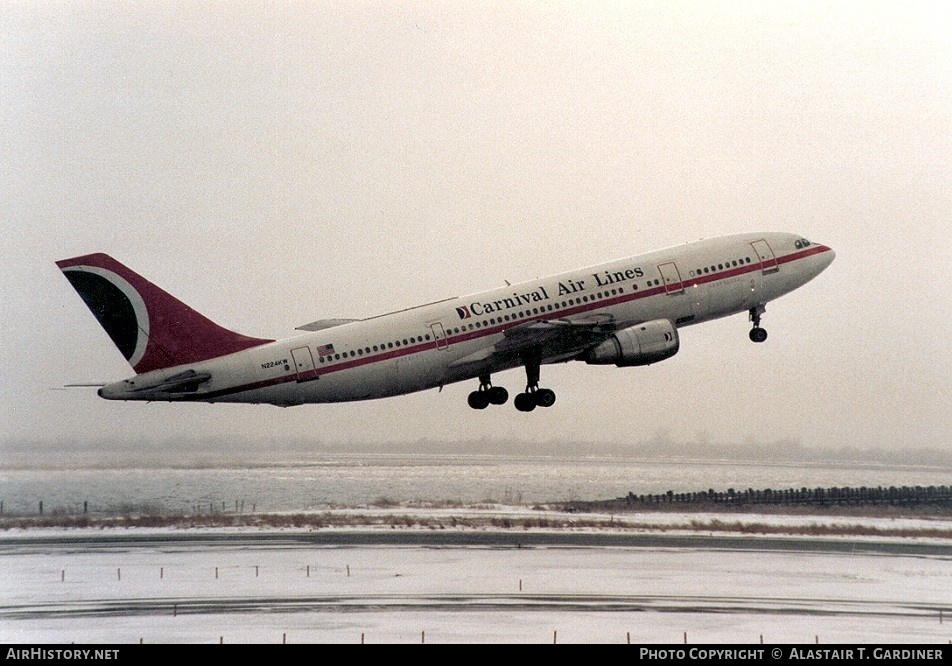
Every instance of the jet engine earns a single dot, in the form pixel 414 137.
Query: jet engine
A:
pixel 643 344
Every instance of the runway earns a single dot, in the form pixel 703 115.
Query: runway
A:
pixel 456 587
pixel 459 539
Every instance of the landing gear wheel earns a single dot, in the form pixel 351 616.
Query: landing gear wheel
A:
pixel 544 397
pixel 478 399
pixel 758 334
pixel 497 395
pixel 524 402
pixel 487 394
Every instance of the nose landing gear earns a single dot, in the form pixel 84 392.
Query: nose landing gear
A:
pixel 757 334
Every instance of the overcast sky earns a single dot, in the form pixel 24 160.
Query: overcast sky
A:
pixel 274 163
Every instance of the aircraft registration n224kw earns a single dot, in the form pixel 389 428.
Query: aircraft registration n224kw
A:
pixel 624 313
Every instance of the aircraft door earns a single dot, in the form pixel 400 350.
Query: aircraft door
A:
pixel 439 334
pixel 304 364
pixel 768 262
pixel 671 278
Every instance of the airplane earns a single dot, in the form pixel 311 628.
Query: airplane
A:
pixel 625 313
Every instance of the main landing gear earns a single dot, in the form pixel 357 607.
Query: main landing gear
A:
pixel 757 334
pixel 524 402
pixel 534 396
pixel 487 394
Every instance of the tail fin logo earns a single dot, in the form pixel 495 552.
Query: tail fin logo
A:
pixel 117 305
pixel 152 328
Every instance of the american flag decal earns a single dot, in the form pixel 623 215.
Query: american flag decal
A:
pixel 463 312
pixel 325 350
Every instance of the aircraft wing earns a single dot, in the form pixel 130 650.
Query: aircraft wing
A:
pixel 556 340
pixel 540 333
pixel 553 340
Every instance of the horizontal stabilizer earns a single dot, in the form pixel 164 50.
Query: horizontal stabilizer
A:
pixel 321 324
pixel 184 382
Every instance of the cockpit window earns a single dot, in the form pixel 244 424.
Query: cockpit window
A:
pixel 802 243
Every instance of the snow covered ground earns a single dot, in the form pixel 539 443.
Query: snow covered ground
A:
pixel 234 590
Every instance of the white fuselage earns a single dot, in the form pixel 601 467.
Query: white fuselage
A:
pixel 451 340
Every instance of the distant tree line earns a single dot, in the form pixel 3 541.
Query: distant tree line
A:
pixel 905 495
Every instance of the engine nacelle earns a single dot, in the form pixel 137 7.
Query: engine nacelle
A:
pixel 643 344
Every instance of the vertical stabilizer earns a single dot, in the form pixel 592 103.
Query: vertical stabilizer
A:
pixel 151 328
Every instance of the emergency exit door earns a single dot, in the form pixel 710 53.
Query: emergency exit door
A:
pixel 768 261
pixel 304 364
